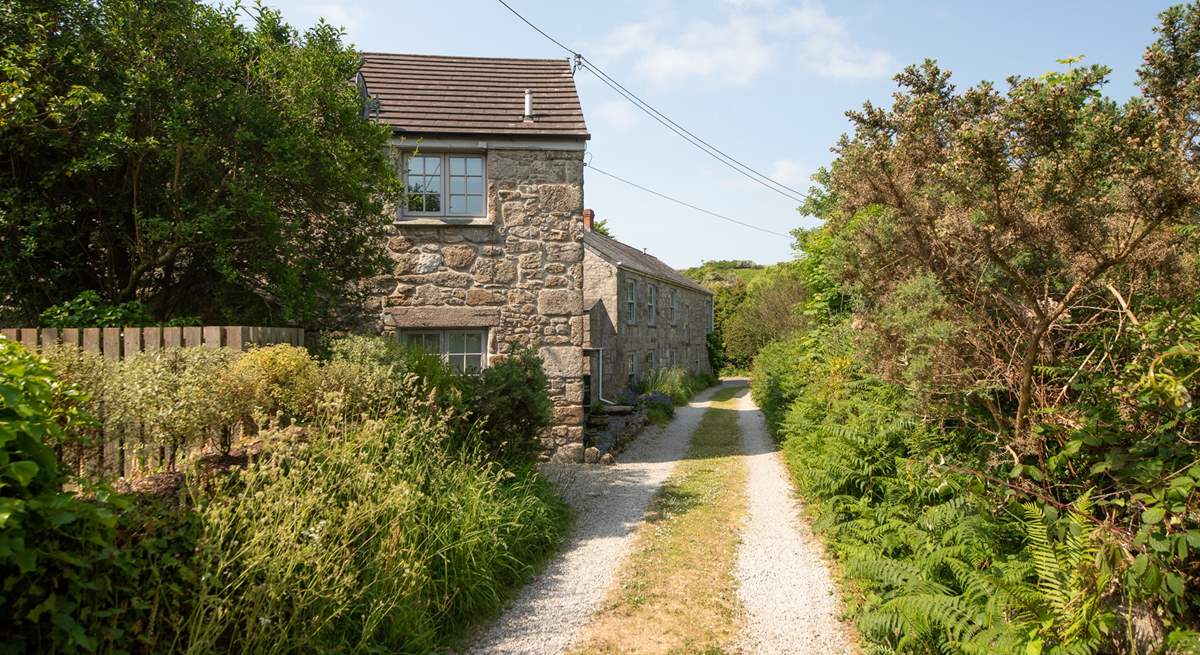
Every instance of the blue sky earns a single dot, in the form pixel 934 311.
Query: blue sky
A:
pixel 767 81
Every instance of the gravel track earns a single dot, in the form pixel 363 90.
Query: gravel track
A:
pixel 609 503
pixel 784 581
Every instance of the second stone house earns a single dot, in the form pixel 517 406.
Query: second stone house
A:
pixel 642 315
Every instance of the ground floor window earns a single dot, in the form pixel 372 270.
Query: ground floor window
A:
pixel 464 350
pixel 674 363
pixel 631 369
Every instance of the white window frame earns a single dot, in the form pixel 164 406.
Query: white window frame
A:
pixel 631 304
pixel 444 336
pixel 674 318
pixel 404 213
pixel 652 304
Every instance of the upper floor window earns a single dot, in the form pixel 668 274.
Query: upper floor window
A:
pixel 444 185
pixel 674 320
pixel 631 309
pixel 651 304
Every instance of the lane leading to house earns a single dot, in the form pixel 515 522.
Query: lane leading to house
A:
pixel 609 503
pixel 785 585
pixel 676 592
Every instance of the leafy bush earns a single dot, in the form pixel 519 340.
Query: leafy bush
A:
pixel 377 538
pixel 511 404
pixel 79 575
pixel 282 379
pixel 88 310
pixel 181 397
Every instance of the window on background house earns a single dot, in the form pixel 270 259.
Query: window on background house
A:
pixel 674 319
pixel 651 304
pixel 450 186
pixel 651 360
pixel 673 362
pixel 631 369
pixel 464 350
pixel 631 308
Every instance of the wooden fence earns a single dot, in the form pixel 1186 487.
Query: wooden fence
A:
pixel 119 342
pixel 112 457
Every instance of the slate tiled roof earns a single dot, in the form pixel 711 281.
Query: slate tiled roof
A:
pixel 426 94
pixel 629 257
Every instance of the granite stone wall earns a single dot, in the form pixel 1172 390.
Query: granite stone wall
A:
pixel 521 276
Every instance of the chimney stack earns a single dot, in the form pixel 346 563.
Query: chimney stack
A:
pixel 589 217
pixel 528 105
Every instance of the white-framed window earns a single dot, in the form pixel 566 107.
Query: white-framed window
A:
pixel 674 362
pixel 651 304
pixel 674 319
pixel 631 368
pixel 446 185
pixel 631 308
pixel 464 350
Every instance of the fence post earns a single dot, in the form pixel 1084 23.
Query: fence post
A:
pixel 132 341
pixel 152 338
pixel 70 337
pixel 29 338
pixel 10 333
pixel 49 337
pixel 192 336
pixel 91 340
pixel 172 337
pixel 212 336
pixel 112 343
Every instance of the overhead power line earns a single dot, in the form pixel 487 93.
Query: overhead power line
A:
pixel 685 134
pixel 687 204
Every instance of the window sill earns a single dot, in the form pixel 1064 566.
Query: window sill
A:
pixel 442 221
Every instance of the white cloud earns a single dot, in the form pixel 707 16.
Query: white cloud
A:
pixel 751 37
pixel 790 173
pixel 618 113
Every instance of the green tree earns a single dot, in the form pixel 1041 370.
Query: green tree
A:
pixel 1020 215
pixel 159 151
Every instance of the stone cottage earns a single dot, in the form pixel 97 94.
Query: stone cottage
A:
pixel 488 245
pixel 642 315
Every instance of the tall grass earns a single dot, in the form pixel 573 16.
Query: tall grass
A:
pixel 676 383
pixel 375 539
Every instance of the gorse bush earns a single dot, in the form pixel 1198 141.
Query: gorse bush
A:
pixel 991 405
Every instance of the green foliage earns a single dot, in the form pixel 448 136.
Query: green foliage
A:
pixel 990 405
pixel 398 518
pixel 601 227
pixel 283 379
pixel 165 153
pixel 79 574
pixel 677 384
pixel 511 400
pixel 377 538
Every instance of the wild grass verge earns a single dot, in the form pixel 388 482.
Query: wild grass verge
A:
pixel 677 593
